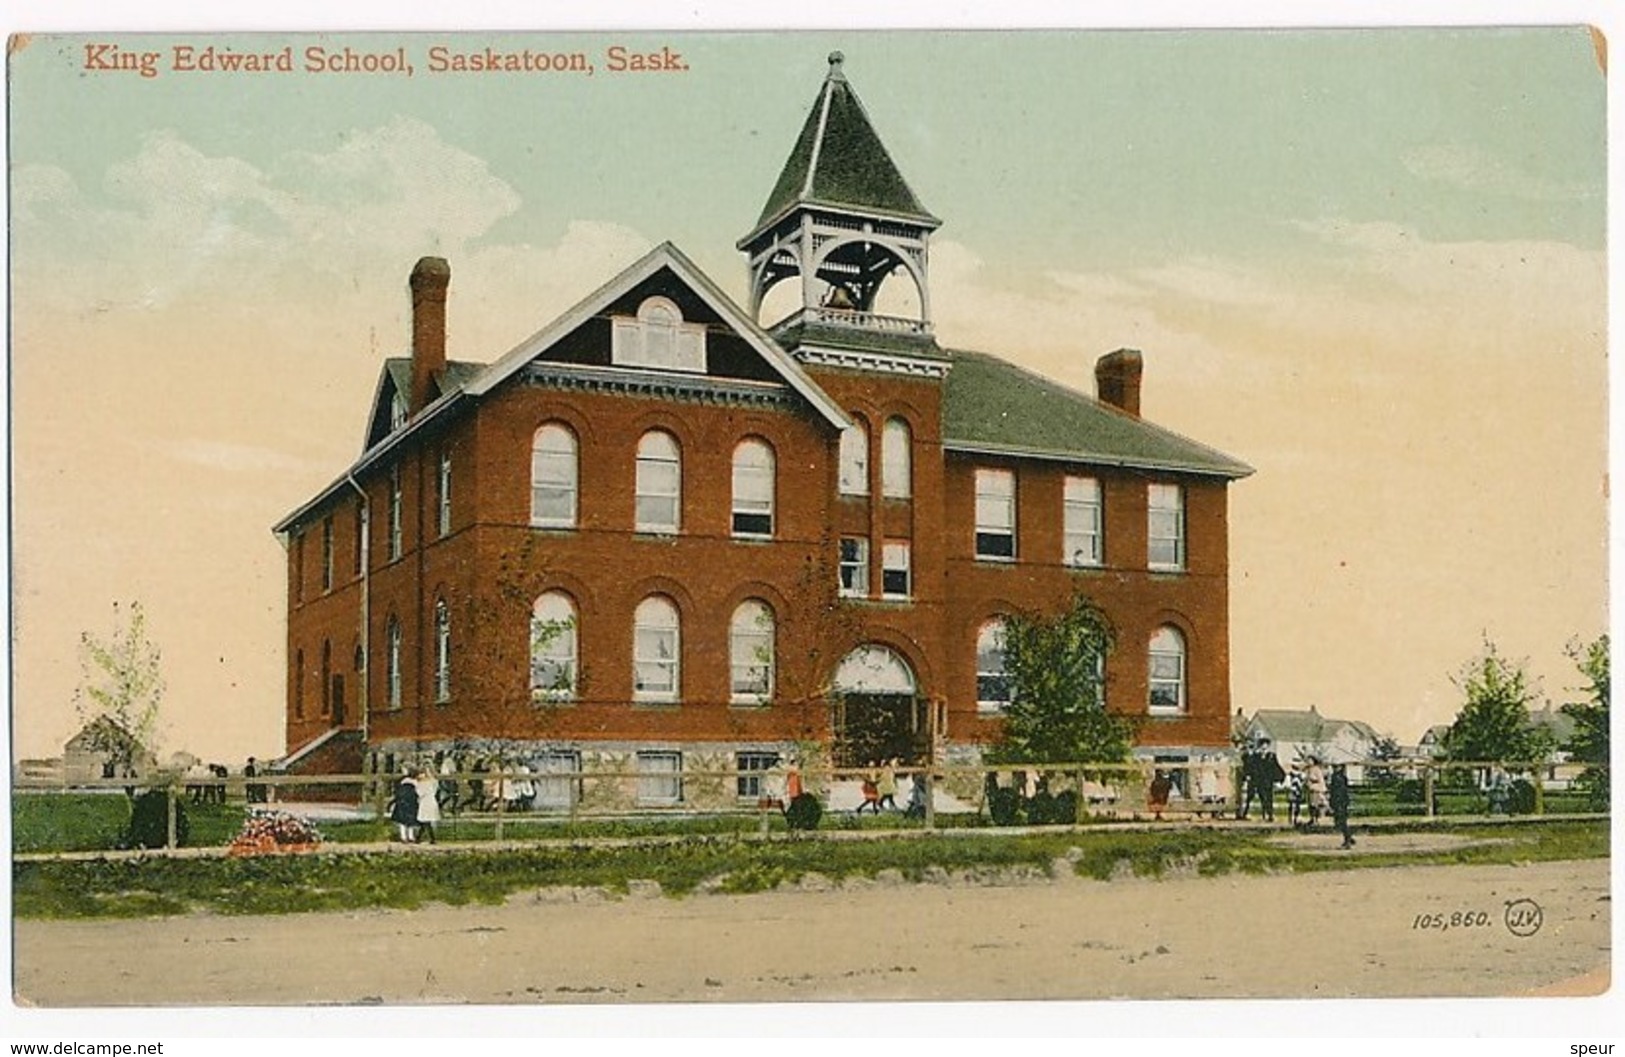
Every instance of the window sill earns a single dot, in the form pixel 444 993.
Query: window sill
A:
pixel 751 704
pixel 751 537
pixel 997 559
pixel 553 526
pixel 986 711
pixel 1167 715
pixel 655 533
pixel 552 702
pixel 657 704
pixel 1166 570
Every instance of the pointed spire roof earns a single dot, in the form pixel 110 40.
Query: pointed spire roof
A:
pixel 839 161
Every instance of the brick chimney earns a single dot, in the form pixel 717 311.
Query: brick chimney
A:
pixel 430 277
pixel 1117 380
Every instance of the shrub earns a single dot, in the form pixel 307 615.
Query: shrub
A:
pixel 1040 809
pixel 149 821
pixel 1066 807
pixel 1521 797
pixel 804 812
pixel 1004 806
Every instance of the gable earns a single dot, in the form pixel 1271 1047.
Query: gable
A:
pixel 727 354
pixel 736 349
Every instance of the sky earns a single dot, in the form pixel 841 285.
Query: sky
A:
pixel 1369 263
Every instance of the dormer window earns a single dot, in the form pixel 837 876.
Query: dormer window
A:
pixel 658 338
pixel 397 412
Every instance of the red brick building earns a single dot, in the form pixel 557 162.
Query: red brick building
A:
pixel 663 536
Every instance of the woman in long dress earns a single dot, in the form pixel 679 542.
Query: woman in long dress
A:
pixel 1319 797
pixel 428 804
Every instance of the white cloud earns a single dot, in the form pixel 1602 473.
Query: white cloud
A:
pixel 235 458
pixel 174 223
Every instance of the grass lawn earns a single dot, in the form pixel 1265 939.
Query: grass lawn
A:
pixel 331 881
pixel 47 822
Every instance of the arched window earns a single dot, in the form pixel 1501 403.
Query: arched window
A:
pixel 1167 671
pixel 750 652
pixel 753 489
pixel 992 679
pixel 299 684
pixel 895 461
pixel 553 648
pixel 855 458
pixel 553 477
pixel 659 483
pixel 442 651
pixel 656 644
pixel 392 662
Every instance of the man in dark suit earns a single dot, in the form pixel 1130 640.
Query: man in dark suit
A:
pixel 1340 798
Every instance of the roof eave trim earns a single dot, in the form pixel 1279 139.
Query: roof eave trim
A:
pixel 371 457
pixel 925 220
pixel 1234 472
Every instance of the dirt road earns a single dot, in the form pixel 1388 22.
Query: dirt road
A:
pixel 1334 934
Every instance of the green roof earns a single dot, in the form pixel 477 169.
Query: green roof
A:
pixel 457 372
pixel 992 405
pixel 838 160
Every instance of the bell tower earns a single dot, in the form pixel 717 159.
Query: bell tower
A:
pixel 842 221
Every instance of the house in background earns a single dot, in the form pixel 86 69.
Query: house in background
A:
pixel 1296 736
pixel 105 749
pixel 668 533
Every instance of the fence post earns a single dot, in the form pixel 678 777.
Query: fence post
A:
pixel 502 802
pixel 169 807
pixel 1427 790
pixel 1540 791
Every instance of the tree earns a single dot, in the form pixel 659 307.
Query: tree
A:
pixel 1589 743
pixel 121 688
pixel 1493 725
pixel 1056 712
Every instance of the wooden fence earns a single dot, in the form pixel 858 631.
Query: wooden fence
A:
pixel 1197 789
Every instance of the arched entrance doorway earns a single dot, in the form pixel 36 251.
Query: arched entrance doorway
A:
pixel 878 713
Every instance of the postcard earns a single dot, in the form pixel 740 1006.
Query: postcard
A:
pixel 668 519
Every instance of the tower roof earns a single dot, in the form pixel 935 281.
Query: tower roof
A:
pixel 839 161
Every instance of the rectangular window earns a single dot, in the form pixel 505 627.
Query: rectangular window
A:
pixel 996 514
pixel 751 766
pixel 654 668
pixel 894 573
pixel 327 553
pixel 558 781
pixel 299 565
pixel 854 460
pixel 1165 529
pixel 660 778
pixel 753 490
pixel 1082 517
pixel 854 567
pixel 394 512
pixel 445 494
pixel 659 490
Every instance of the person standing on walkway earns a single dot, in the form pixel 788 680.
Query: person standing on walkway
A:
pixel 1269 775
pixel 428 815
pixel 1340 803
pixel 887 785
pixel 1315 779
pixel 403 808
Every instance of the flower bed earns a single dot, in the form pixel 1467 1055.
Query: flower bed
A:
pixel 274 833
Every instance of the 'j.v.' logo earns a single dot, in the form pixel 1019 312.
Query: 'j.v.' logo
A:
pixel 1523 917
